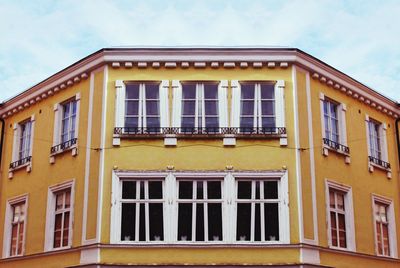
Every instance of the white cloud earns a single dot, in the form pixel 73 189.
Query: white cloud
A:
pixel 359 38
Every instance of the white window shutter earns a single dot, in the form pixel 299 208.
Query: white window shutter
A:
pixel 57 123
pixel 119 103
pixel 177 103
pixel 15 142
pixel 280 103
pixel 32 133
pixel 385 156
pixel 235 110
pixel 223 103
pixel 164 112
pixel 342 124
pixel 367 132
pixel 321 102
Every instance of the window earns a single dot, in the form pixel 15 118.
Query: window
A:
pixel 384 226
pixel 200 106
pixel 257 106
pixel 22 148
pixel 15 226
pixel 187 208
pixel 257 217
pixel 340 216
pixel 199 210
pixel 59 216
pixel 66 122
pixel 142 209
pixel 142 106
pixel 377 145
pixel 331 120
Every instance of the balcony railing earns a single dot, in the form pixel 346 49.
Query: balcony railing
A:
pixel 336 146
pixel 20 162
pixel 199 131
pixel 379 162
pixel 63 146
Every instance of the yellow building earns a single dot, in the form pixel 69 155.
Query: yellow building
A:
pixel 199 157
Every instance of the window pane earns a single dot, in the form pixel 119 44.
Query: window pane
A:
pixel 132 107
pixel 379 238
pixel 267 91
pixel 142 191
pixel 132 91
pixel 156 222
pixel 152 90
pixel 212 122
pixel 155 190
pixel 67 202
pixel 342 231
pixel 332 199
pixel 185 189
pixel 257 222
pixel 271 214
pixel 243 221
pixel 65 230
pixel 340 200
pixel 211 107
pixel 20 238
pixel 244 189
pixel 268 122
pixel 247 107
pixel 129 190
pixel 14 234
pixel 187 122
pixel 59 201
pixel 200 190
pixel 189 90
pixel 214 190
pixel 128 217
pixel 210 90
pixel 258 189
pixel 247 90
pixel 246 124
pixel 268 107
pixel 188 107
pixel 385 237
pixel 199 222
pixel 142 223
pixel 184 222
pixel 334 230
pixel 215 222
pixel 153 124
pixel 270 189
pixel 57 231
pixel 131 122
pixel 152 107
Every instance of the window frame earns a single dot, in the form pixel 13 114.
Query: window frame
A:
pixel 392 233
pixel 51 212
pixel 349 214
pixel 8 224
pixel 171 208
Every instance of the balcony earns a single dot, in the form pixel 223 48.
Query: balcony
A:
pixel 378 162
pixel 336 146
pixel 63 146
pixel 20 163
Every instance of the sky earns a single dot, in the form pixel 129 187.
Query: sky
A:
pixel 360 38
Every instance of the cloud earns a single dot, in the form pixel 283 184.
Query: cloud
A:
pixel 357 37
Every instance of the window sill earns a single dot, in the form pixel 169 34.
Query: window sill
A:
pixel 27 165
pixel 73 149
pixel 341 249
pixel 198 244
pixel 58 249
pixel 326 149
pixel 372 166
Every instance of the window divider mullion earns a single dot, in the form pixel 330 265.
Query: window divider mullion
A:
pixel 262 216
pixel 194 206
pixel 259 105
pixel 205 211
pixel 252 211
pixel 146 209
pixel 137 210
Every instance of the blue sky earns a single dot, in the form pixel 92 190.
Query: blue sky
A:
pixel 39 38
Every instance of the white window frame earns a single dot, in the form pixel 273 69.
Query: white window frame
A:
pixel 7 225
pixel 16 144
pixel 58 114
pixel 341 116
pixel 50 214
pixel 170 192
pixel 222 102
pixel 349 214
pixel 375 198
pixel 383 144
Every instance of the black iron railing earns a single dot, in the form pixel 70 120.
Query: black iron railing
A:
pixel 20 162
pixel 63 146
pixel 132 131
pixel 336 146
pixel 379 162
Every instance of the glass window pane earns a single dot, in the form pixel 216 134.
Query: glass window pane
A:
pixel 185 189
pixel 200 190
pixel 267 91
pixel 247 90
pixel 246 124
pixel 187 124
pixel 334 237
pixel 152 107
pixel 131 122
pixel 185 222
pixel 132 107
pixel 128 217
pixel 156 222
pixel 244 189
pixel 268 122
pixel 247 107
pixel 270 189
pixel 129 190
pixel 210 90
pixel 257 222
pixel 199 222
pixel 142 223
pixel 212 122
pixel 342 231
pixel 214 190
pixel 65 230
pixel 67 202
pixel 57 231
pixel 211 107
pixel 215 222
pixel 155 190
pixel 268 107
pixel 132 91
pixel 243 221
pixel 152 90
pixel 189 90
pixel 271 214
pixel 142 190
pixel 188 107
pixel 153 124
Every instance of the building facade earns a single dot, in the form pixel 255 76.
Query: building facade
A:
pixel 199 157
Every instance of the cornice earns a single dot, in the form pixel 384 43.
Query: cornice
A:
pixel 228 58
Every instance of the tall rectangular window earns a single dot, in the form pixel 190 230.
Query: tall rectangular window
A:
pixel 337 212
pixel 257 106
pixel 17 229
pixel 257 217
pixel 142 210
pixel 62 218
pixel 199 210
pixel 374 139
pixel 68 121
pixel 25 140
pixel 331 120
pixel 382 228
pixel 142 106
pixel 200 106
